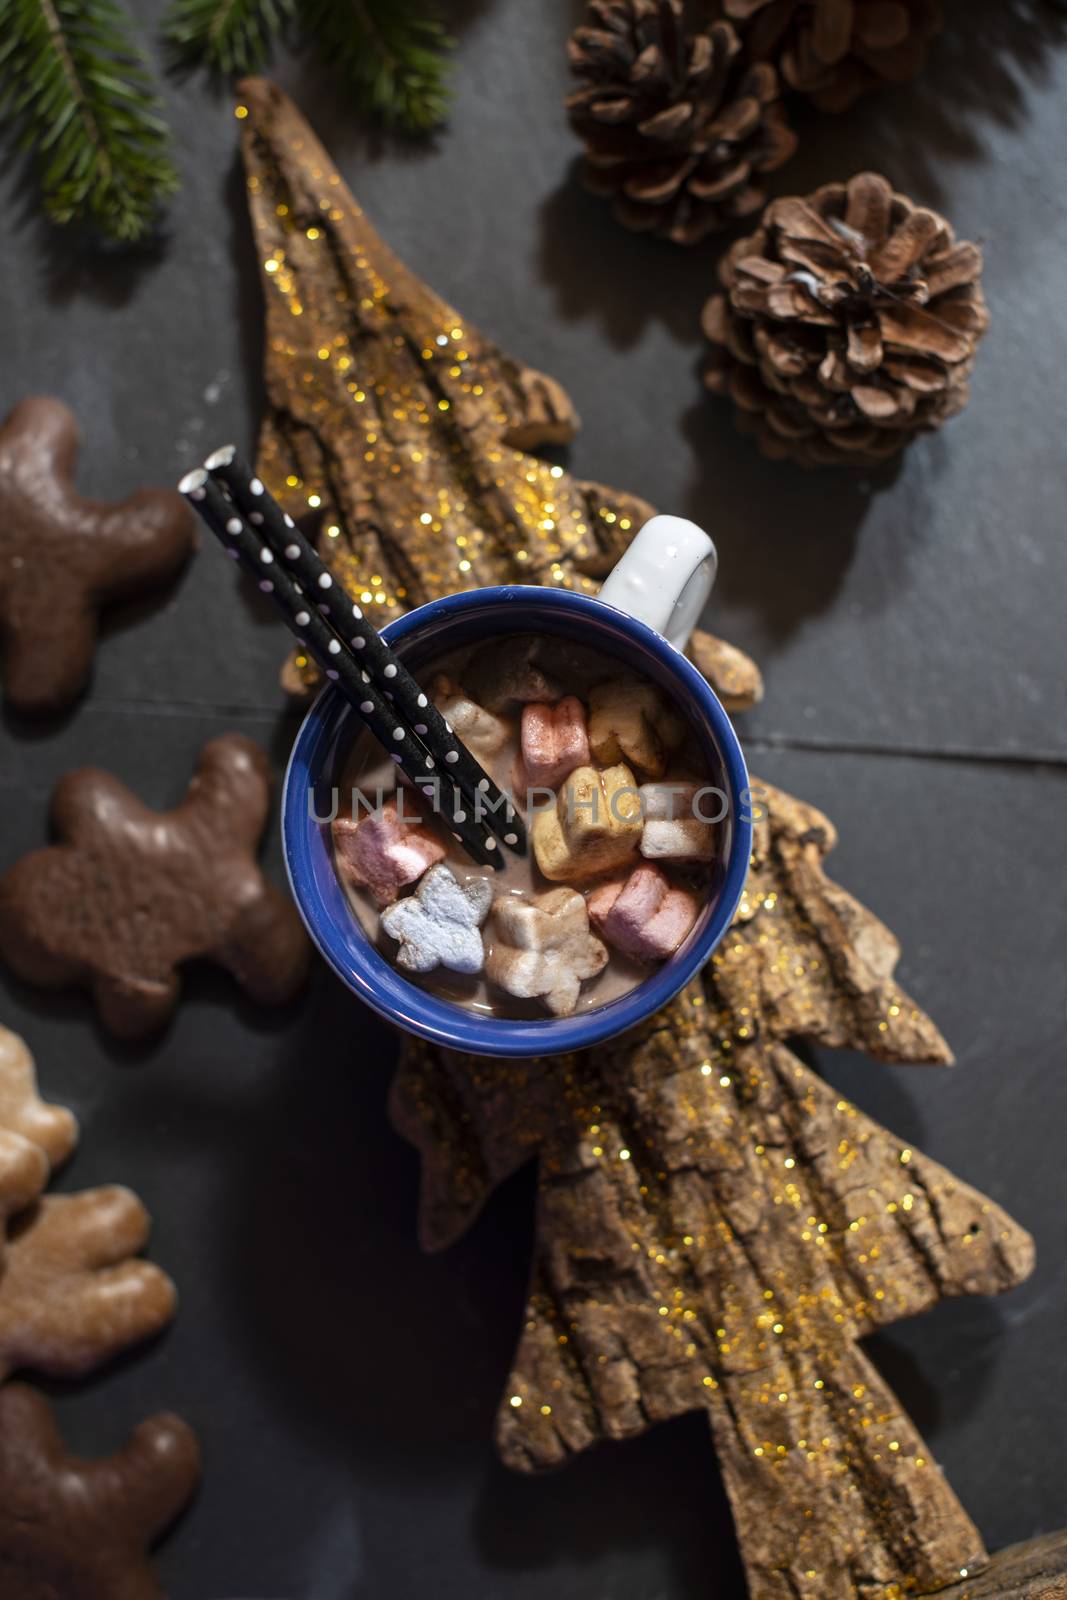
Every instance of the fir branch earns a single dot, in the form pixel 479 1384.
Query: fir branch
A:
pixel 228 35
pixel 390 52
pixel 75 84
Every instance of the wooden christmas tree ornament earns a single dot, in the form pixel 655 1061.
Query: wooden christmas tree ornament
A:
pixel 717 1228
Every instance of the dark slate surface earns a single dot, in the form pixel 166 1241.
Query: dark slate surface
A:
pixel 911 629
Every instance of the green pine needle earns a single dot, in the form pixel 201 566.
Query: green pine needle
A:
pixel 75 85
pixel 78 89
pixel 232 36
pixel 390 53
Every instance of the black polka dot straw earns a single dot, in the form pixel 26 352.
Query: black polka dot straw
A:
pixel 246 543
pixel 414 708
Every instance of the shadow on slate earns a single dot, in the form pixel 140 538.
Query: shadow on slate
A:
pixel 977 73
pixel 246 308
pixel 785 542
pixel 637 279
pixel 76 265
pixel 283 734
pixel 527 1524
pixel 410 1352
pixel 37 728
pixel 971 1335
pixel 204 987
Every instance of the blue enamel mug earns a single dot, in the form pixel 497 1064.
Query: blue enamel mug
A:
pixel 642 616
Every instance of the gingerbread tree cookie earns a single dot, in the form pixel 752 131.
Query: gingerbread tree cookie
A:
pixel 62 558
pixel 81 1530
pixel 128 895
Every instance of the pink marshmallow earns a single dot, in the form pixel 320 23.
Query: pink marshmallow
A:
pixel 643 915
pixel 554 741
pixel 382 853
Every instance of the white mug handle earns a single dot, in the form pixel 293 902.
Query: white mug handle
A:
pixel 664 577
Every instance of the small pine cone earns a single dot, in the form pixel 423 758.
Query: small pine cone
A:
pixel 849 324
pixel 676 126
pixel 836 50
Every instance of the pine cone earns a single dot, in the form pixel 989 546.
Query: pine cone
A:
pixel 849 324
pixel 836 50
pixel 675 125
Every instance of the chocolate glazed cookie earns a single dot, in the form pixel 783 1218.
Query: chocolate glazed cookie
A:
pixel 80 1530
pixel 63 558
pixel 128 894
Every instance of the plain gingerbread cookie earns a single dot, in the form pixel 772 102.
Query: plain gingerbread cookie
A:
pixel 128 895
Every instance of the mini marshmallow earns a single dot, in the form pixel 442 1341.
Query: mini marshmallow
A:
pixel 629 720
pixel 543 949
pixel 673 828
pixel 382 853
pixel 438 926
pixel 506 671
pixel 644 915
pixel 594 826
pixel 554 741
pixel 480 731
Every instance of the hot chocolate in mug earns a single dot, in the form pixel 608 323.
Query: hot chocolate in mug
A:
pixel 640 620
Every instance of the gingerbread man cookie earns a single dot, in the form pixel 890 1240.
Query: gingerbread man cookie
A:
pixel 23 1114
pixel 128 895
pixel 72 1528
pixel 34 1137
pixel 73 1293
pixel 62 558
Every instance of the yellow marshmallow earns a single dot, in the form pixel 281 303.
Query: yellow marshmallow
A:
pixel 629 720
pixel 594 826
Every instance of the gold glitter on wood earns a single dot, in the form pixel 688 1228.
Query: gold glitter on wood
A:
pixel 717 1228
pixel 394 420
